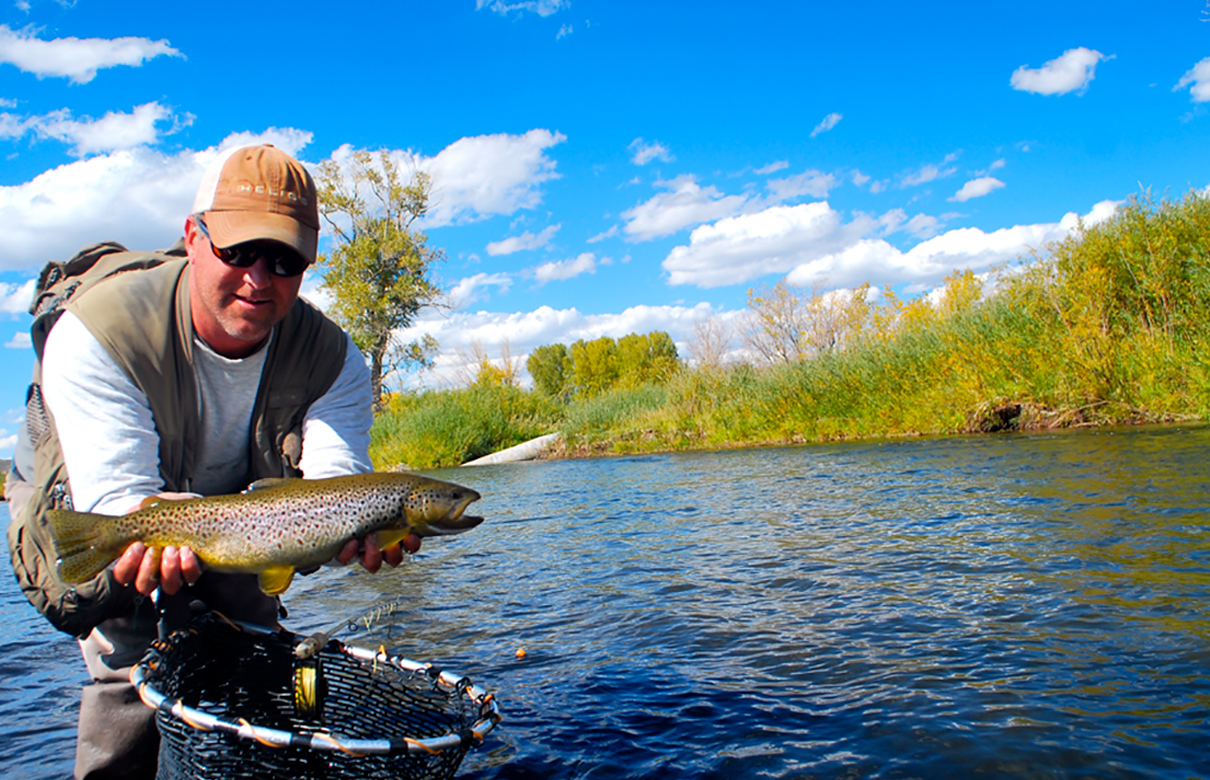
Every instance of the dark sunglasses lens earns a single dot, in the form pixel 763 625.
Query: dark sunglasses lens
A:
pixel 290 264
pixel 236 256
pixel 281 262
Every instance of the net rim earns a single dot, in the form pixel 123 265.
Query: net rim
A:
pixel 489 713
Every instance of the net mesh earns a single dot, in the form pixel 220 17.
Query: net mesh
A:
pixel 241 676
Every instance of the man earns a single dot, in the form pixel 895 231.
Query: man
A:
pixel 199 376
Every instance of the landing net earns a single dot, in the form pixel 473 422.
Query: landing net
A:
pixel 237 701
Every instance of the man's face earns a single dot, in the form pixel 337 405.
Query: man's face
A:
pixel 234 309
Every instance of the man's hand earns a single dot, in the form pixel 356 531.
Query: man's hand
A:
pixel 150 567
pixel 372 557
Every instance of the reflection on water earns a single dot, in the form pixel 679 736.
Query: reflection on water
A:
pixel 40 676
pixel 1016 606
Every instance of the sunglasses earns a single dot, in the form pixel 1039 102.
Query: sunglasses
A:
pixel 279 259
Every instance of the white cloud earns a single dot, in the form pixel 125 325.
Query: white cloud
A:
pixel 828 122
pixel 16 298
pixel 539 7
pixel 585 263
pixel 564 31
pixel 686 203
pixel 928 261
pixel 1199 77
pixel 522 242
pixel 859 178
pixel 471 288
pixel 112 132
pixel 13 126
pixel 485 175
pixel 7 443
pixel 613 231
pixel 20 340
pixel 977 188
pixel 524 331
pixel 290 140
pixel 892 220
pixel 76 58
pixel 813 183
pixel 921 225
pixel 930 172
pixel 1100 212
pixel 738 249
pixel 810 243
pixel 646 152
pixel 311 291
pixel 138 196
pixel 773 167
pixel 1071 71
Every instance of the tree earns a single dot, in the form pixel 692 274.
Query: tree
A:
pixel 647 358
pixel 777 323
pixel 589 368
pixel 379 272
pixel 550 366
pixel 785 326
pixel 479 369
pixel 710 342
pixel 594 365
pixel 835 320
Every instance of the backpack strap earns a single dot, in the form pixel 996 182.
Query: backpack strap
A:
pixel 73 609
pixel 59 282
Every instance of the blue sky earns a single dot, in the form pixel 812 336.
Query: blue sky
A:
pixel 609 167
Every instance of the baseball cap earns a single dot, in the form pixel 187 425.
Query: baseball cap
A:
pixel 259 192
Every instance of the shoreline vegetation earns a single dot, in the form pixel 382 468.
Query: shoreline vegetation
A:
pixel 1108 327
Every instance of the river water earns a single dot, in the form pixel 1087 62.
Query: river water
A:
pixel 1006 606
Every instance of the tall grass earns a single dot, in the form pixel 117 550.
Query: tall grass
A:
pixel 437 429
pixel 1111 325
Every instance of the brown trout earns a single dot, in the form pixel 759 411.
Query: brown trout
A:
pixel 273 528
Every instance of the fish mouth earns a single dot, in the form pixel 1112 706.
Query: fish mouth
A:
pixel 457 521
pixel 453 525
pixel 467 522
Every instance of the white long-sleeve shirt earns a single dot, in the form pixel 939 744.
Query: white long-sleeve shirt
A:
pixel 108 437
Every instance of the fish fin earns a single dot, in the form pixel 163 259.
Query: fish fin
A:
pixel 268 482
pixel 83 543
pixel 391 536
pixel 275 580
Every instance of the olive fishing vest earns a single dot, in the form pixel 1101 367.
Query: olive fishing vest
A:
pixel 140 314
pixel 143 321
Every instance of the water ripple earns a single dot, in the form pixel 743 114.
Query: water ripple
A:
pixel 1009 606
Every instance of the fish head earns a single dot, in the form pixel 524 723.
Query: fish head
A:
pixel 437 508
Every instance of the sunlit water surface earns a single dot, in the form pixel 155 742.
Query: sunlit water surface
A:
pixel 1007 606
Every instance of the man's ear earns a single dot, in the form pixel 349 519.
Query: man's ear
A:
pixel 192 237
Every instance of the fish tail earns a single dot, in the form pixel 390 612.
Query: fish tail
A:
pixel 84 543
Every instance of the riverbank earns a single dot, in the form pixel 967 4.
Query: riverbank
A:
pixel 658 420
pixel 1109 327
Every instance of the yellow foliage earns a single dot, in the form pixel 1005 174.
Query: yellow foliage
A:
pixel 962 291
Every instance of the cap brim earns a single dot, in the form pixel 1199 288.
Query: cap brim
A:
pixel 228 228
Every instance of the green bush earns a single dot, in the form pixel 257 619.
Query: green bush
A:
pixel 446 428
